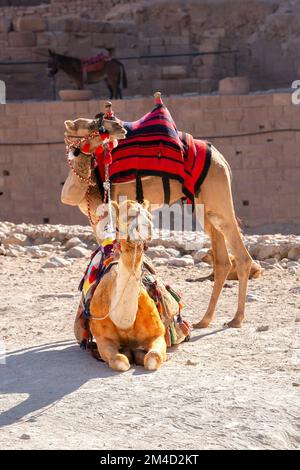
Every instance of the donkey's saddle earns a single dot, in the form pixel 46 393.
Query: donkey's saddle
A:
pixel 154 147
pixel 95 63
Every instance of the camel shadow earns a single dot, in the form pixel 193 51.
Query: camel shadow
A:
pixel 46 374
pixel 209 333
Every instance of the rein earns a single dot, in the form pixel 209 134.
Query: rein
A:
pixel 81 145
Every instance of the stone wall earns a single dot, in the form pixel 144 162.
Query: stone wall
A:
pixel 266 33
pixel 265 166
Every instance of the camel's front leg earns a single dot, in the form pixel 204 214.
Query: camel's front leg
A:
pixel 157 353
pixel 109 351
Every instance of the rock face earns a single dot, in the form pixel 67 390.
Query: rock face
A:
pixel 56 262
pixel 15 239
pixel 77 252
pixel 267 29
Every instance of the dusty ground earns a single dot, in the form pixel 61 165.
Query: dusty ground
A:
pixel 225 389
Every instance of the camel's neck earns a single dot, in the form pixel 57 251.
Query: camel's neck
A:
pixel 124 304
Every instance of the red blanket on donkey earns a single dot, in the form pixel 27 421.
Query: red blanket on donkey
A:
pixel 153 146
pixel 95 63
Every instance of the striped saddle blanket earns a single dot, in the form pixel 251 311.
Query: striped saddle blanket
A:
pixel 154 147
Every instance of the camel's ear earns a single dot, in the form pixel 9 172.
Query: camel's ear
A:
pixel 146 205
pixel 114 128
pixel 70 126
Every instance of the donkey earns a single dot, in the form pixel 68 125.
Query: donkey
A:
pixel 112 71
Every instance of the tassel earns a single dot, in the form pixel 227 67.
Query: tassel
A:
pixel 174 294
pixel 185 328
pixel 168 338
pixel 86 148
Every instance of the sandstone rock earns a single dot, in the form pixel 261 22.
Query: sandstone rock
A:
pixel 294 253
pixel 12 253
pixel 15 239
pixel 293 264
pixel 181 262
pixel 200 254
pixel 267 251
pixel 30 23
pixel 293 271
pixel 271 261
pixel 161 261
pixel 48 246
pixel 77 252
pixel 2 250
pixel 56 262
pixel 75 241
pixel 162 252
pixel 36 252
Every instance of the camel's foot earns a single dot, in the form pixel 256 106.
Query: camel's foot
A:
pixel 153 360
pixel 201 324
pixel 234 323
pixel 120 363
pixel 139 357
pixel 128 353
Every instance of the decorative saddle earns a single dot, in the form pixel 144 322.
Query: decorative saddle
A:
pixel 154 147
pixel 95 63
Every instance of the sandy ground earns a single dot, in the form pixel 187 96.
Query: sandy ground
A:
pixel 225 389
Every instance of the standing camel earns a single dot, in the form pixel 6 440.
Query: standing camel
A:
pixel 219 216
pixel 112 71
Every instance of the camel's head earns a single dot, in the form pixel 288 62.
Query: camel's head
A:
pixel 94 131
pixel 134 222
pixel 135 229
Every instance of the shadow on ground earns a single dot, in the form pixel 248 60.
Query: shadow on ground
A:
pixel 46 374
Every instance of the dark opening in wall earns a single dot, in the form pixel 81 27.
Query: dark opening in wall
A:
pixel 46 220
pixel 6 173
pixel 1 193
pixel 245 203
pixel 62 183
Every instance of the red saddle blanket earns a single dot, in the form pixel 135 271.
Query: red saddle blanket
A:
pixel 154 147
pixel 95 63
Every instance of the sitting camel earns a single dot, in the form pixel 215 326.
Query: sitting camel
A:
pixel 122 313
pixel 220 222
